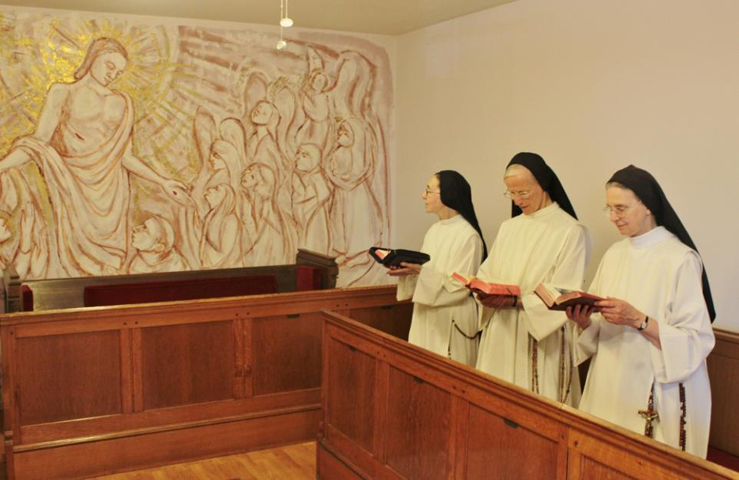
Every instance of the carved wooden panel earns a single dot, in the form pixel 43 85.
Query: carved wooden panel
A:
pixel 592 469
pixel 351 399
pixel 329 467
pixel 184 364
pixel 419 428
pixel 497 445
pixel 392 319
pixel 61 377
pixel 286 353
pixel 723 370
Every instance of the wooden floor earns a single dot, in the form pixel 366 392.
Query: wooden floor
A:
pixel 293 462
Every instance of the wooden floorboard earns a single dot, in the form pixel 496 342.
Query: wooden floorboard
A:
pixel 293 462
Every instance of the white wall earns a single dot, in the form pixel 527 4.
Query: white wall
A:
pixel 592 86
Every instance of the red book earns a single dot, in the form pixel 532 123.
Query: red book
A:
pixel 557 298
pixel 487 288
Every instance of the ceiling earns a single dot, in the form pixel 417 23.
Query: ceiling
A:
pixel 386 17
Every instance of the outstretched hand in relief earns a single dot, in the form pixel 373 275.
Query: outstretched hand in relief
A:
pixel 178 192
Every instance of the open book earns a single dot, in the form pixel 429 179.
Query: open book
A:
pixel 392 258
pixel 487 288
pixel 558 298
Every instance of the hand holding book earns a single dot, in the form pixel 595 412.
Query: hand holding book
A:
pixel 389 258
pixel 580 314
pixel 491 295
pixel 558 298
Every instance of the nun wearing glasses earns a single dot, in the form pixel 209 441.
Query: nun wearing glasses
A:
pixel 522 341
pixel 444 314
pixel 650 340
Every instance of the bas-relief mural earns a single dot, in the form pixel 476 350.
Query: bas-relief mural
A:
pixel 134 148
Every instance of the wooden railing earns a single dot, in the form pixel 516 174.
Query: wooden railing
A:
pixel 393 411
pixel 96 391
pixel 58 293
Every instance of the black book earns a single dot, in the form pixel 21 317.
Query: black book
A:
pixel 392 257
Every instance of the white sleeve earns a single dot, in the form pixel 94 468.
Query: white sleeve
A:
pixel 569 273
pixel 485 313
pixel 587 342
pixel 685 335
pixel 406 287
pixel 436 288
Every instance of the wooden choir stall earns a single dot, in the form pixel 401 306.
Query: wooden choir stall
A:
pixel 393 411
pixel 94 391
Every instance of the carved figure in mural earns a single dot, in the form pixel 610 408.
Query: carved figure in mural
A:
pixel 268 243
pixel 352 93
pixel 315 102
pixel 26 252
pixel 220 244
pixel 83 146
pixel 262 143
pixel 268 145
pixel 155 250
pixel 227 155
pixel 205 133
pixel 310 196
pixel 355 212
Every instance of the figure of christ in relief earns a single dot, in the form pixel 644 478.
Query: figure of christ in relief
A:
pixel 155 250
pixel 310 195
pixel 83 146
pixel 355 218
pixel 268 242
pixel 28 251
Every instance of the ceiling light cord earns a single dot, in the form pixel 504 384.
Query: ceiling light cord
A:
pixel 285 19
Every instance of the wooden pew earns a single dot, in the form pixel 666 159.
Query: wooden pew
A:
pixel 723 370
pixel 52 294
pixel 95 391
pixel 392 411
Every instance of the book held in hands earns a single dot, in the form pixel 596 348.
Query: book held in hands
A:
pixel 487 288
pixel 558 298
pixel 392 257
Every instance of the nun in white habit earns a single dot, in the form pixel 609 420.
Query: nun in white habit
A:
pixel 444 312
pixel 522 341
pixel 650 341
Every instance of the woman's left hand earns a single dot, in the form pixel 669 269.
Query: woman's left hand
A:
pixel 404 270
pixel 413 267
pixel 620 312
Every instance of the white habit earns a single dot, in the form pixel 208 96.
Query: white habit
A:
pixel 533 347
pixel 444 313
pixel 660 276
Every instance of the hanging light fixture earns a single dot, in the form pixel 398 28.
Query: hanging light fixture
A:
pixel 285 20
